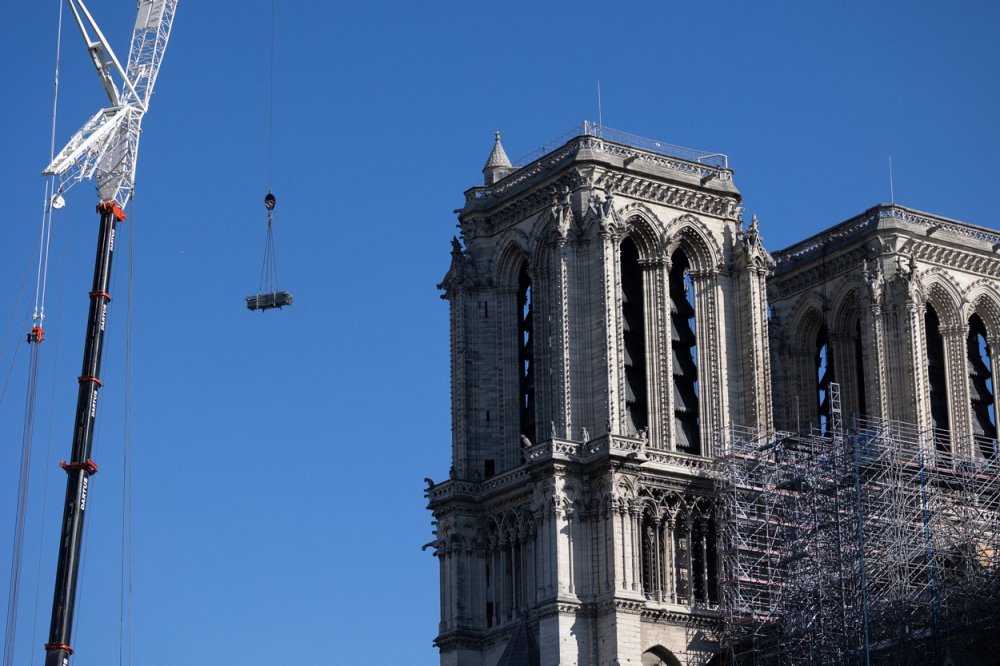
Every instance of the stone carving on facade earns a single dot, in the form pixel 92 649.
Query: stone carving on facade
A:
pixel 561 213
pixel 601 211
pixel 460 269
pixel 753 246
pixel 874 281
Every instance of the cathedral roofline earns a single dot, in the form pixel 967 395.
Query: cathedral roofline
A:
pixel 689 167
pixel 881 217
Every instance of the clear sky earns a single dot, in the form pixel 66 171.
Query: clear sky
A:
pixel 279 457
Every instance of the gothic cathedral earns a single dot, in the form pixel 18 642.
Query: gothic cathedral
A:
pixel 612 315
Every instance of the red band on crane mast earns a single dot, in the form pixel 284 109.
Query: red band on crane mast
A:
pixel 101 293
pixel 95 380
pixel 50 647
pixel 90 466
pixel 113 208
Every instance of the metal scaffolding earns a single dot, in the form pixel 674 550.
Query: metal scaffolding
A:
pixel 862 545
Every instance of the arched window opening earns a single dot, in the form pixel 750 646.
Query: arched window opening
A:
pixel 937 380
pixel 659 656
pixel 526 354
pixel 652 550
pixel 679 559
pixel 684 342
pixel 859 370
pixel 506 585
pixel 824 377
pixel 704 570
pixel 981 392
pixel 633 338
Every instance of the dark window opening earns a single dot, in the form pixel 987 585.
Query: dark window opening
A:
pixel 937 380
pixel 680 562
pixel 684 342
pixel 633 338
pixel 824 377
pixel 489 468
pixel 712 562
pixel 981 395
pixel 698 562
pixel 526 354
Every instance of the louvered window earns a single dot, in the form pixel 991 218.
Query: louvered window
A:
pixel 937 379
pixel 684 345
pixel 824 377
pixel 633 338
pixel 981 396
pixel 526 354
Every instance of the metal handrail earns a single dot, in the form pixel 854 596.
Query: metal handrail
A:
pixel 715 159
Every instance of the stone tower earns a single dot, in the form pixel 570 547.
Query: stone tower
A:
pixel 901 308
pixel 608 315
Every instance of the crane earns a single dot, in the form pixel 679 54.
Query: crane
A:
pixel 105 149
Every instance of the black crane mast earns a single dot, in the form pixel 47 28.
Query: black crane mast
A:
pixel 81 466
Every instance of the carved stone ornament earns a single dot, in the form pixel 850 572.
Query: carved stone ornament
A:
pixel 561 211
pixel 753 245
pixel 459 270
pixel 874 280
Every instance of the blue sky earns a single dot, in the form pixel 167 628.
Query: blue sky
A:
pixel 279 457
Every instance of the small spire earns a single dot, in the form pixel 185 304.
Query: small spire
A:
pixel 498 158
pixel 498 165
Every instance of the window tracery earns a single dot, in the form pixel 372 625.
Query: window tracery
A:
pixel 680 555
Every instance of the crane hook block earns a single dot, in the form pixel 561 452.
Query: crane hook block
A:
pixel 270 201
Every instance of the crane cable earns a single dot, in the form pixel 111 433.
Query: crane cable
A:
pixel 35 337
pixel 125 634
pixel 269 267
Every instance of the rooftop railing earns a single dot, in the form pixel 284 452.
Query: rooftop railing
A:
pixel 717 160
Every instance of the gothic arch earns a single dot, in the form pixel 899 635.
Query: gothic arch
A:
pixel 805 323
pixel 689 233
pixel 944 296
pixel 508 257
pixel 641 227
pixel 659 656
pixel 625 489
pixel 982 299
pixel 846 310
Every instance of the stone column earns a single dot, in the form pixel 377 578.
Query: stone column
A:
pixel 957 371
pixel 559 409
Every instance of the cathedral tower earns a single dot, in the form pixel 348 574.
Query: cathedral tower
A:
pixel 608 315
pixel 901 308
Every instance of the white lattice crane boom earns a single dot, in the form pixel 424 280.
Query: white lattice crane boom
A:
pixel 105 148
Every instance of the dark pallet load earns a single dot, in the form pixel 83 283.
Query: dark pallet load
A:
pixel 275 299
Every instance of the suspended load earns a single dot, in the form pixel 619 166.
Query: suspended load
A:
pixel 268 296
